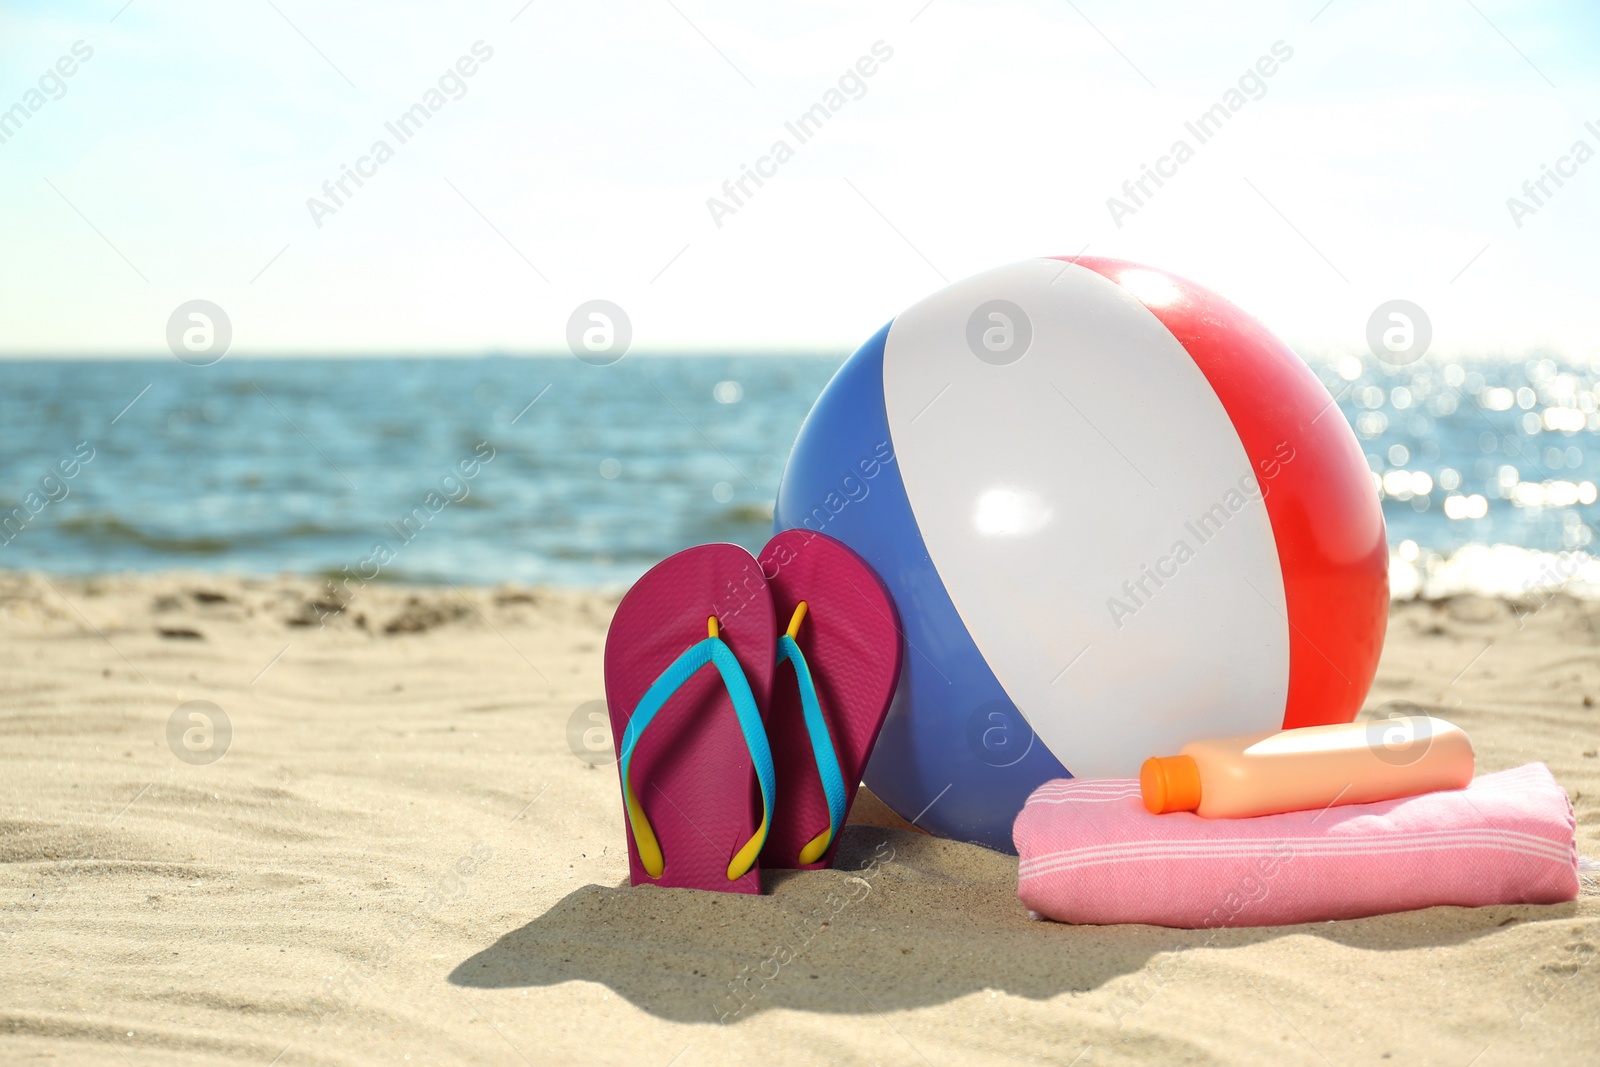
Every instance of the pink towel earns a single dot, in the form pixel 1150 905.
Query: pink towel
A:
pixel 1091 853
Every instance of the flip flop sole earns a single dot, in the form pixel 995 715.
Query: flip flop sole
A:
pixel 851 642
pixel 691 770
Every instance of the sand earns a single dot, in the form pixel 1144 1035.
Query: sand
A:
pixel 399 858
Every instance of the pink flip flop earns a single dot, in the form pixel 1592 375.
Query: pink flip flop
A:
pixel 842 642
pixel 695 767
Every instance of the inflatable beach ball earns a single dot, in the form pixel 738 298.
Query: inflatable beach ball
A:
pixel 1115 514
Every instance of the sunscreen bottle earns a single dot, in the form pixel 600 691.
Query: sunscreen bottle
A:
pixel 1308 768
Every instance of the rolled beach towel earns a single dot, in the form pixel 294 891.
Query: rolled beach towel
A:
pixel 1091 853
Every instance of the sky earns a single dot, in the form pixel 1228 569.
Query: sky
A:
pixel 586 154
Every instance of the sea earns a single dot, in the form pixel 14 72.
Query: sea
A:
pixel 546 470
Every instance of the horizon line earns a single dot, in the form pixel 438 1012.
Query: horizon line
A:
pixel 1308 353
pixel 136 357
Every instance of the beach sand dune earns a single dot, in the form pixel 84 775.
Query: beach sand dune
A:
pixel 402 856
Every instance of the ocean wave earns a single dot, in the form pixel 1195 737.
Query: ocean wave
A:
pixel 1508 571
pixel 104 530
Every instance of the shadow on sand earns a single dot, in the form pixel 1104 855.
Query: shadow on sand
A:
pixel 903 921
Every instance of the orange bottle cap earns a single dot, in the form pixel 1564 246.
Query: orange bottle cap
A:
pixel 1170 783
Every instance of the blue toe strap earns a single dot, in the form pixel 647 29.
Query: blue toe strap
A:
pixel 822 749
